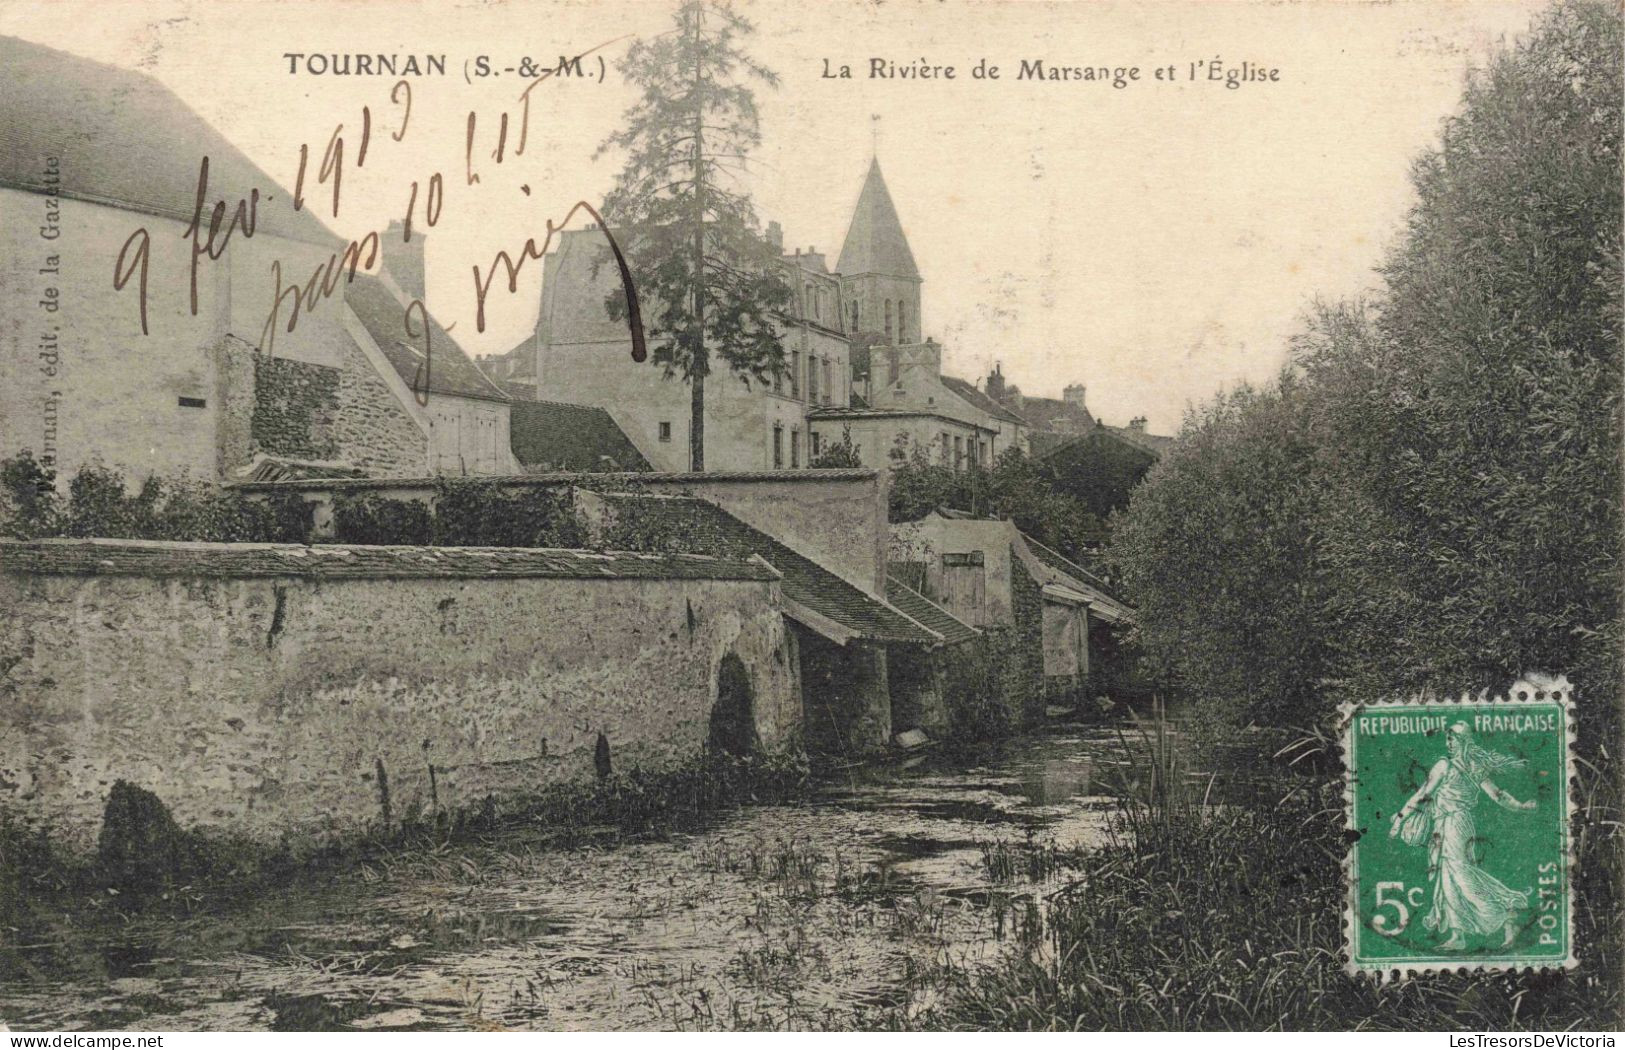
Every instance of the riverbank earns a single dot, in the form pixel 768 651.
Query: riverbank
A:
pixel 846 908
pixel 1230 918
pixel 146 866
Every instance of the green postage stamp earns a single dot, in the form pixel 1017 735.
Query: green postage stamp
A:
pixel 1460 814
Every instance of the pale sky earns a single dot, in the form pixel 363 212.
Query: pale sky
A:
pixel 1156 243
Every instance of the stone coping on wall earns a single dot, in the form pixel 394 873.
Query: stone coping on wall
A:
pixel 107 557
pixel 567 477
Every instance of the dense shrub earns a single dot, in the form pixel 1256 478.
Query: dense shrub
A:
pixel 1013 487
pixel 1219 554
pixel 370 519
pixel 98 503
pixel 480 514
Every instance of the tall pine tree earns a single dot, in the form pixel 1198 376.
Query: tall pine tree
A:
pixel 708 279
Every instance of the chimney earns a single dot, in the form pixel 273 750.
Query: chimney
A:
pixel 404 259
pixel 1137 423
pixel 1073 394
pixel 775 236
pixel 995 383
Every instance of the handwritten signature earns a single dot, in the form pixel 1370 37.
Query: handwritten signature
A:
pixel 209 240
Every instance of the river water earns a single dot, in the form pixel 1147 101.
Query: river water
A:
pixel 841 911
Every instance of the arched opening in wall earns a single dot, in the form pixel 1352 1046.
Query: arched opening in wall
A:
pixel 733 716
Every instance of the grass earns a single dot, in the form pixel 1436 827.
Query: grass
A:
pixel 1200 916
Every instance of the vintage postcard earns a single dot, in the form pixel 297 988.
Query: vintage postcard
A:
pixel 867 515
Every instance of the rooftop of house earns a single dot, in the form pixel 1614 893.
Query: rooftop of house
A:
pixel 552 435
pixel 1153 445
pixel 451 371
pixel 1052 413
pixel 97 557
pixel 978 399
pixel 691 523
pixel 923 610
pixel 122 139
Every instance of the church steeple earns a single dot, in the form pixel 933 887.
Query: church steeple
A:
pixel 875 242
pixel 880 284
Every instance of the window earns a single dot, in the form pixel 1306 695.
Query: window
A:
pixel 812 301
pixel 828 386
pixel 193 402
pixel 812 447
pixel 812 379
pixel 854 326
pixel 665 431
pixel 902 321
pixel 947 448
pixel 795 373
pixel 959 453
pixel 778 446
pixel 984 458
pixel 892 367
pixel 795 448
pixel 889 338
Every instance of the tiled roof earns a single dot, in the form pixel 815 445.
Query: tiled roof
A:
pixel 1046 413
pixel 978 399
pixel 910 573
pixel 875 242
pixel 125 140
pixel 921 608
pixel 689 523
pixel 149 558
pixel 384 316
pixel 1156 444
pixel 665 477
pixel 557 436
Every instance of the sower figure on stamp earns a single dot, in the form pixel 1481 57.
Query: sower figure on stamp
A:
pixel 1467 900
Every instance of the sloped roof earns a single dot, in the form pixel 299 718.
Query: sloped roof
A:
pixel 97 557
pixel 1044 413
pixel 384 316
pixel 1153 445
pixel 125 140
pixel 980 400
pixel 558 436
pixel 1076 578
pixel 689 523
pixel 1060 563
pixel 875 242
pixel 1156 444
pixel 927 612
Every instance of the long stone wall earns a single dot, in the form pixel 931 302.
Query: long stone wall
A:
pixel 273 690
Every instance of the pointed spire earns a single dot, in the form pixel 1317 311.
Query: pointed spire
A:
pixel 875 241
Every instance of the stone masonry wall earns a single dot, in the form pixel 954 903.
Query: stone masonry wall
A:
pixel 269 705
pixel 374 430
pixel 296 408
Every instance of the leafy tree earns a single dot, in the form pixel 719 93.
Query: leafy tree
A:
pixel 1433 499
pixel 842 454
pixel 1473 423
pixel 1218 554
pixel 1013 487
pixel 692 241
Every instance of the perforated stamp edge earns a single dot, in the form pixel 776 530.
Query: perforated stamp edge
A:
pixel 1553 690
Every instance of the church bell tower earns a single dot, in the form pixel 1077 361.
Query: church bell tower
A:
pixel 880 285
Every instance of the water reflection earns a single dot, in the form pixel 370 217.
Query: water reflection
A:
pixel 824 914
